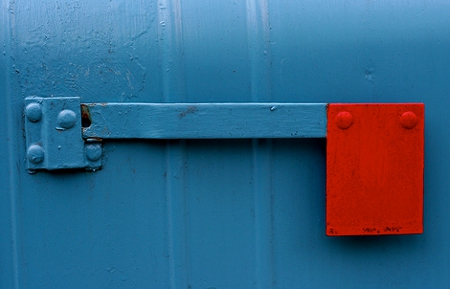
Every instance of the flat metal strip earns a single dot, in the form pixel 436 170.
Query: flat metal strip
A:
pixel 205 120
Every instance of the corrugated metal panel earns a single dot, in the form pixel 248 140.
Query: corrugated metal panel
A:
pixel 215 214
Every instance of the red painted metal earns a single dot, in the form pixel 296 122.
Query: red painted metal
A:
pixel 375 169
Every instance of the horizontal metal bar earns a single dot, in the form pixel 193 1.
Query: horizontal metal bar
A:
pixel 205 120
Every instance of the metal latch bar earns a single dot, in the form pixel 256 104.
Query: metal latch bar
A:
pixel 63 133
pixel 205 120
pixel 374 151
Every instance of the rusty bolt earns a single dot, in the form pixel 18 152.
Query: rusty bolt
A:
pixel 344 120
pixel 409 120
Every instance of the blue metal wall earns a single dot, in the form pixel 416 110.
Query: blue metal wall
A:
pixel 215 214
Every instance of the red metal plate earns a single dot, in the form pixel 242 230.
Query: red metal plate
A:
pixel 374 169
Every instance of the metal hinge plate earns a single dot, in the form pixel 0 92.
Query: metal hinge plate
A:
pixel 54 135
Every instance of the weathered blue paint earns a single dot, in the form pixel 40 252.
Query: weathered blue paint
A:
pixel 206 120
pixel 215 213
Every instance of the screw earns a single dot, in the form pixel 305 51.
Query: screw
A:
pixel 35 153
pixel 344 120
pixel 93 152
pixel 409 120
pixel 33 111
pixel 66 118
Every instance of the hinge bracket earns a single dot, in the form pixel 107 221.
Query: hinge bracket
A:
pixel 54 135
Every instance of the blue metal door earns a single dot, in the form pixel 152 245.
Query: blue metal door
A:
pixel 219 214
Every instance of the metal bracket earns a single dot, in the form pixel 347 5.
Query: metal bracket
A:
pixel 375 161
pixel 53 135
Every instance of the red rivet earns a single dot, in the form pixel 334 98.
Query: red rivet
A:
pixel 344 120
pixel 409 120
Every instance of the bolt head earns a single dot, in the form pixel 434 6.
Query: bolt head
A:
pixel 67 119
pixel 33 112
pixel 35 154
pixel 93 152
pixel 409 120
pixel 344 120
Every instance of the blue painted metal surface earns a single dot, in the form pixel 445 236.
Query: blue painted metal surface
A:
pixel 215 213
pixel 206 120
